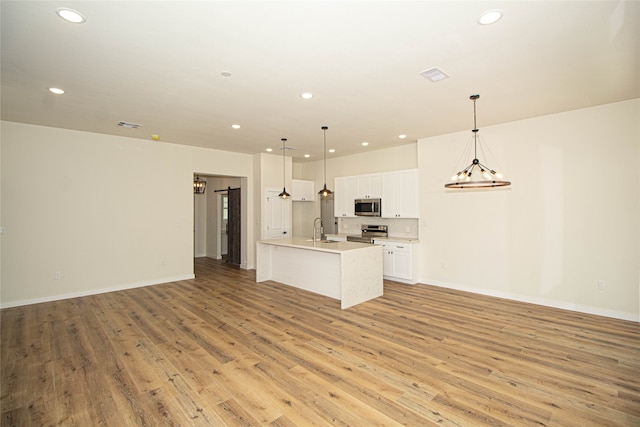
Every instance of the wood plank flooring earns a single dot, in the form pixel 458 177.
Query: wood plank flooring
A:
pixel 222 350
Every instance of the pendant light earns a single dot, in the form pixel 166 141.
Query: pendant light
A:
pixel 484 176
pixel 325 192
pixel 284 193
pixel 199 185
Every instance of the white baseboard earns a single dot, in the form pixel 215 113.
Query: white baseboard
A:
pixel 634 317
pixel 95 291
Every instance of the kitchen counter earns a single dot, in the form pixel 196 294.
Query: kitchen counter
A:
pixel 348 271
pixel 389 238
pixel 318 245
pixel 398 239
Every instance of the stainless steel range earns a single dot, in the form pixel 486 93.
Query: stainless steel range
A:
pixel 368 233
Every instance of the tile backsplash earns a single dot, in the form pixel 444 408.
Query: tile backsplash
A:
pixel 407 228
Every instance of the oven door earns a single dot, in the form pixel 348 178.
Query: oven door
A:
pixel 359 239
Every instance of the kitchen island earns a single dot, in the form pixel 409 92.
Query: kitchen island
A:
pixel 347 271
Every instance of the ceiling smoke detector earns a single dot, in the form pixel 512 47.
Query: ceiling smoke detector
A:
pixel 434 74
pixel 129 125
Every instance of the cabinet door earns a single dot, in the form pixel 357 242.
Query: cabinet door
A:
pixel 375 185
pixel 401 262
pixel 339 207
pixel 400 194
pixel 409 205
pixel 398 260
pixel 345 190
pixel 387 260
pixel 390 196
pixel 302 191
pixel 369 186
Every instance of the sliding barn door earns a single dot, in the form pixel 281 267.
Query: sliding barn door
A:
pixel 234 223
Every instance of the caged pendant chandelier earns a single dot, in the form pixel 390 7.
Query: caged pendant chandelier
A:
pixel 476 175
pixel 325 192
pixel 199 185
pixel 284 193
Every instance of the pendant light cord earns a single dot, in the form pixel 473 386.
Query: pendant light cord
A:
pixel 284 168
pixel 324 153
pixel 475 127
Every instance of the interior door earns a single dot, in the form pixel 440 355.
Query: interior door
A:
pixel 278 216
pixel 234 226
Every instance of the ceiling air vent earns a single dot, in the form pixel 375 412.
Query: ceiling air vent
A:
pixel 434 74
pixel 129 125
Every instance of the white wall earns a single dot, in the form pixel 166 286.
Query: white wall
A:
pixel 371 161
pixel 103 212
pixel 107 211
pixel 569 220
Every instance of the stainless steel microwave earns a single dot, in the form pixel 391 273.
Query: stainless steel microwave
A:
pixel 368 207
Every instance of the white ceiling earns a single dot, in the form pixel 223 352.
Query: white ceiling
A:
pixel 159 64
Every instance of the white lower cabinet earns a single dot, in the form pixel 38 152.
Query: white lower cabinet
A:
pixel 400 261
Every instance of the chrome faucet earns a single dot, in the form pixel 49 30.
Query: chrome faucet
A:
pixel 315 221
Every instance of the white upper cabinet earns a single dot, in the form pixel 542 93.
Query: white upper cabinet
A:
pixel 400 194
pixel 302 191
pixel 344 195
pixel 398 191
pixel 369 186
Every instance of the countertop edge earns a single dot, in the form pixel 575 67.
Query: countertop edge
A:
pixel 301 243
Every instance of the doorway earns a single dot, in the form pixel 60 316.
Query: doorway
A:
pixel 218 219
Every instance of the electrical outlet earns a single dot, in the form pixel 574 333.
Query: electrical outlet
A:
pixel 602 285
pixel 443 264
pixel 58 275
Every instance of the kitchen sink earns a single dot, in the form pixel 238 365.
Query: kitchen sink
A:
pixel 322 241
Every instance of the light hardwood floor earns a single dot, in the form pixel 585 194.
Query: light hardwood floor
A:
pixel 223 350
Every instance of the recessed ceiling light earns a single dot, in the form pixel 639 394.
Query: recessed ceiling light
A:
pixel 235 126
pixel 70 15
pixel 434 74
pixel 490 16
pixel 306 95
pixel 331 150
pixel 402 136
pixel 269 150
pixel 56 90
pixel 365 143
pixel 307 155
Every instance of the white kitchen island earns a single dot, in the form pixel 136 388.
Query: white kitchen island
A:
pixel 348 271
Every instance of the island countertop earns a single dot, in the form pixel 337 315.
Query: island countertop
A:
pixel 348 271
pixel 305 243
